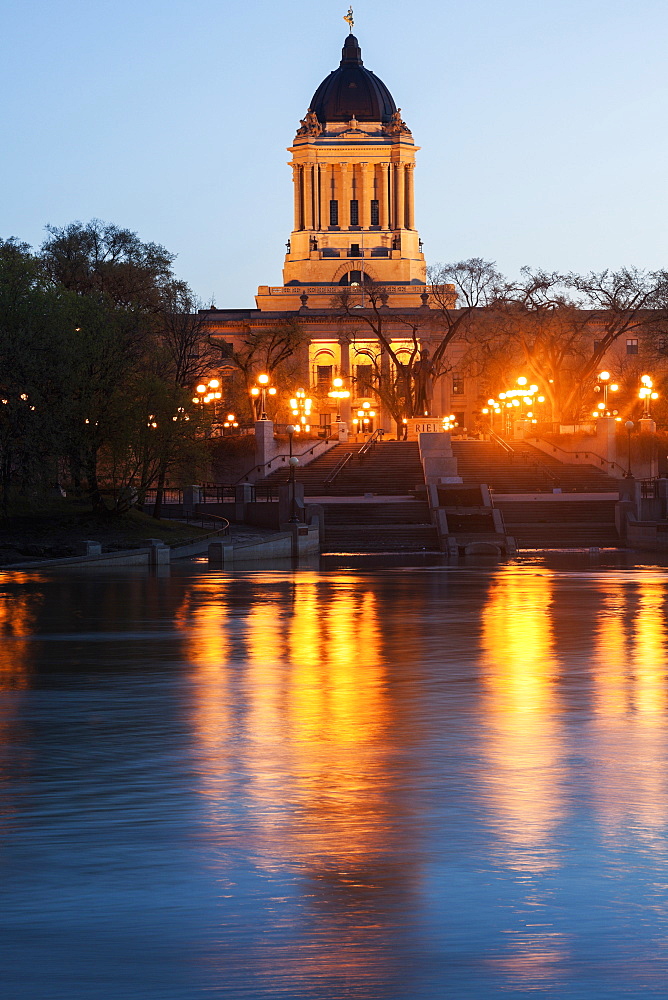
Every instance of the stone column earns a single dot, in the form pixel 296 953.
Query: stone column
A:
pixel 382 196
pixel 391 207
pixel 410 210
pixel 365 193
pixel 317 223
pixel 400 221
pixel 344 202
pixel 344 373
pixel 297 181
pixel 308 196
pixel 385 419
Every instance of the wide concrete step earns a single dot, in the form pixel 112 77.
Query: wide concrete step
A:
pixel 392 538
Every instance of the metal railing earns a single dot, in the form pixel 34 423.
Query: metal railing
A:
pixel 169 495
pixel 283 458
pixel 220 525
pixel 339 467
pixel 370 444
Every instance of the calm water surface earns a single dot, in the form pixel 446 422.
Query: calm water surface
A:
pixel 383 783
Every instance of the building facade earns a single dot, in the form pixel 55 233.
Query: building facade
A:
pixel 354 231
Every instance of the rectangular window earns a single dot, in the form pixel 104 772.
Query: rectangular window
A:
pixel 354 213
pixel 375 213
pixel 326 420
pixel 364 379
pixel 323 374
pixel 333 213
pixel 355 250
pixel 631 346
pixel 458 387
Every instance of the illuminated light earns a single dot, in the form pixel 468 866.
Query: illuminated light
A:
pixel 533 388
pixel 530 414
pixel 502 395
pixel 263 379
pixel 485 410
pixel 230 417
pixel 522 380
pixel 214 383
pixel 654 395
pixel 372 413
pixel 604 376
pixel 645 379
pixel 272 392
pixel 516 402
pixel 366 405
pixel 541 399
pixel 528 399
pixel 534 421
pixel 308 427
pixel 355 420
pixel 601 406
pixel 614 387
pixel 218 395
pixel 404 420
pixel 255 391
pixel 201 388
pixel 451 417
pixel 618 419
pixel 337 383
pixel 490 402
pixel 195 399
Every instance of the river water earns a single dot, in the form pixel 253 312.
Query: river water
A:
pixel 370 781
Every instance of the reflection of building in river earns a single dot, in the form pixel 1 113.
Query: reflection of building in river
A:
pixel 629 774
pixel 521 716
pixel 291 715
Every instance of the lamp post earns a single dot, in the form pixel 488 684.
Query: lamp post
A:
pixel 260 392
pixel 646 394
pixel 294 462
pixel 363 418
pixel 300 405
pixel 209 392
pixel 629 427
pixel 338 393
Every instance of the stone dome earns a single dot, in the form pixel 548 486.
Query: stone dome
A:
pixel 352 91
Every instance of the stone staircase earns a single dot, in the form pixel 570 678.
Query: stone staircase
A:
pixel 391 468
pixel 525 470
pixel 566 522
pixel 355 521
pixel 560 524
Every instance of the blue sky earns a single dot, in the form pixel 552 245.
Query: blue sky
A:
pixel 543 126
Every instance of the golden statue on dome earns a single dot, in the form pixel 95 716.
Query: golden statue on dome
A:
pixel 350 19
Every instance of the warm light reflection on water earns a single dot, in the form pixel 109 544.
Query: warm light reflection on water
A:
pixel 631 784
pixel 314 758
pixel 523 773
pixel 396 784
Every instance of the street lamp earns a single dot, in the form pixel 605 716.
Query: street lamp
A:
pixel 338 393
pixel 230 422
pixel 260 392
pixel 629 427
pixel 300 406
pixel 363 418
pixel 646 394
pixel 294 462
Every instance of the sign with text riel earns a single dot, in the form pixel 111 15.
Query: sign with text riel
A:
pixel 423 425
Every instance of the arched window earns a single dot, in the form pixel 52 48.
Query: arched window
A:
pixel 354 278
